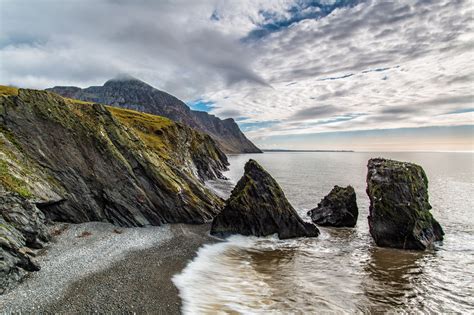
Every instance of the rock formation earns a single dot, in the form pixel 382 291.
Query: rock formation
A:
pixel 108 164
pixel 22 230
pixel 258 206
pixel 399 207
pixel 137 95
pixel 80 162
pixel 337 209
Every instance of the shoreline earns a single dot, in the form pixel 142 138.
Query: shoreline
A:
pixel 110 270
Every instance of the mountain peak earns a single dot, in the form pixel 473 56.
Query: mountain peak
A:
pixel 129 92
pixel 126 79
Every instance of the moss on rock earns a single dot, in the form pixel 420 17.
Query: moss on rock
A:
pixel 399 206
pixel 80 161
pixel 258 206
pixel 337 209
pixel 115 165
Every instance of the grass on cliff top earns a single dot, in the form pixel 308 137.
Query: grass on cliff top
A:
pixel 79 102
pixel 8 90
pixel 148 127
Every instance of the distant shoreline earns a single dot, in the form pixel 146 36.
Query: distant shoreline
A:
pixel 284 150
pixel 364 151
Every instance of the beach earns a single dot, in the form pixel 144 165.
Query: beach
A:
pixel 98 267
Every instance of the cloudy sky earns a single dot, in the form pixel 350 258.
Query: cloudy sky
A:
pixel 298 74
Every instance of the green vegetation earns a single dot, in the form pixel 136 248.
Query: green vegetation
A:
pixel 12 183
pixel 8 90
pixel 165 150
pixel 149 128
pixel 74 101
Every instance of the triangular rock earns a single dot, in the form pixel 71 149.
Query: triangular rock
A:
pixel 258 206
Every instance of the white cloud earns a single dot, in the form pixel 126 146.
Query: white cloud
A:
pixel 376 65
pixel 427 49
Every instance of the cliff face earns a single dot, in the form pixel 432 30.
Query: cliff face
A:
pixel 73 161
pixel 137 95
pixel 87 162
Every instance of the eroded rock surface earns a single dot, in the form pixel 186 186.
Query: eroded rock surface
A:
pixel 110 164
pixel 22 230
pixel 399 207
pixel 258 206
pixel 337 209
pixel 131 93
pixel 71 161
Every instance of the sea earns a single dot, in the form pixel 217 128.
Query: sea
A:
pixel 342 271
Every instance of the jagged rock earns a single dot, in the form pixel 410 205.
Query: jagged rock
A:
pixel 337 209
pixel 131 93
pixel 103 163
pixel 399 207
pixel 22 227
pixel 258 206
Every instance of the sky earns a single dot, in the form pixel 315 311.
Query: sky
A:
pixel 294 74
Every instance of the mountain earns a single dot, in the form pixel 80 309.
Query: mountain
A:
pixel 73 161
pixel 134 94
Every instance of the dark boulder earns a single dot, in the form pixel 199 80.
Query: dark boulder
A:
pixel 258 206
pixel 338 209
pixel 399 207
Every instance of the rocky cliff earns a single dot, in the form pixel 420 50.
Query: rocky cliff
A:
pixel 134 94
pixel 74 161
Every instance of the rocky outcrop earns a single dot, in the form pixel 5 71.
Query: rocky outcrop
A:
pixel 258 206
pixel 22 231
pixel 399 207
pixel 107 164
pixel 337 209
pixel 72 161
pixel 134 94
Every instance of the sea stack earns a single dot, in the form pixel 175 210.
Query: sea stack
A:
pixel 258 206
pixel 337 209
pixel 399 208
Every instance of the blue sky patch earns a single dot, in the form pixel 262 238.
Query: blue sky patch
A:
pixel 215 16
pixel 201 105
pixel 338 119
pixel 337 78
pixel 461 111
pixel 299 11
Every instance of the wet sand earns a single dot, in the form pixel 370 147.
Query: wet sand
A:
pixel 137 282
